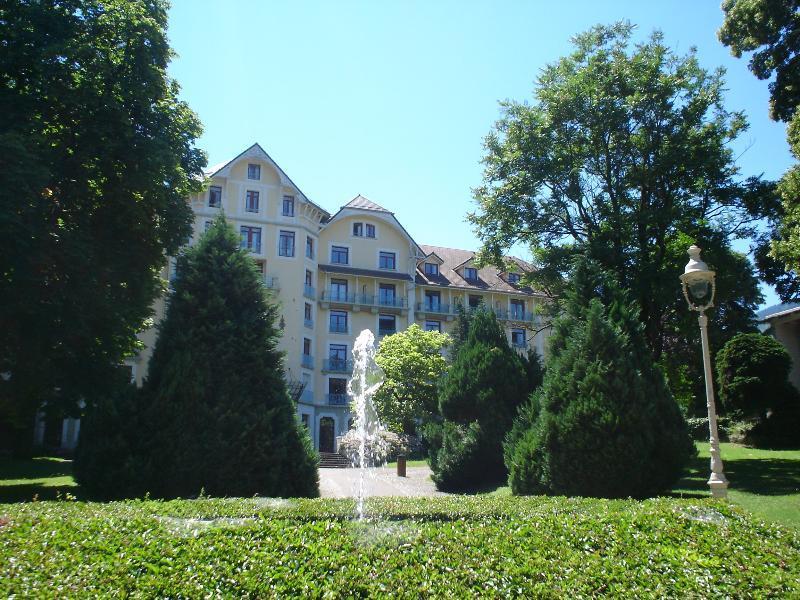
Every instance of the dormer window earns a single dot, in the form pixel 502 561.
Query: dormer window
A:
pixel 513 278
pixel 254 172
pixel 471 273
pixel 358 229
pixel 431 269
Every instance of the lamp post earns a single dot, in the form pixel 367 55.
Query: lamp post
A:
pixel 699 287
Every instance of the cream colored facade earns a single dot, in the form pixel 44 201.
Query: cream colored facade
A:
pixel 336 275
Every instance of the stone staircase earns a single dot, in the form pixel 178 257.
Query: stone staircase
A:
pixel 333 460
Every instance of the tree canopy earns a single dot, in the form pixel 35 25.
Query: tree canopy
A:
pixel 623 157
pixel 413 366
pixel 97 157
pixel 770 30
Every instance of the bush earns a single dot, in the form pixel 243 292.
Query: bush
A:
pixel 752 374
pixel 479 398
pixel 216 414
pixel 604 422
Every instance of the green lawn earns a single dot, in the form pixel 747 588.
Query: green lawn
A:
pixel 456 546
pixel 765 482
pixel 44 478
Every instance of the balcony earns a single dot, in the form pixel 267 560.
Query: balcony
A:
pixel 385 331
pixel 517 316
pixel 337 399
pixel 329 297
pixel 309 292
pixel 337 365
pixel 309 323
pixel 387 301
pixel 436 309
pixel 272 283
pixel 337 328
pixel 307 361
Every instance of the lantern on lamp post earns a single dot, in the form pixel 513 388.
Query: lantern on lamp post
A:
pixel 699 287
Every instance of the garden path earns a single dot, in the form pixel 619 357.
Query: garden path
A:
pixel 378 481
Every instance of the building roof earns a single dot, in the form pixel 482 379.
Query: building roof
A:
pixel 778 310
pixel 489 277
pixel 365 204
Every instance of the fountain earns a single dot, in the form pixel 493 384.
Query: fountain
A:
pixel 367 378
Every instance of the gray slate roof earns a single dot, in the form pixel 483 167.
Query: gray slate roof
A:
pixel 365 204
pixel 489 277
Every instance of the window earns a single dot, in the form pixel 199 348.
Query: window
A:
pixel 433 326
pixel 251 201
pixel 338 321
pixel 513 278
pixel 306 347
pixel 254 171
pixel 337 356
pixel 288 206
pixel 215 196
pixel 337 391
pixel 518 338
pixel 251 238
pixel 370 231
pixel 470 273
pixel 386 325
pixel 340 255
pixel 474 301
pixel 308 277
pixel 386 294
pixel 309 321
pixel 207 226
pixel 338 290
pixel 305 420
pixel 358 229
pixel 431 269
pixel 286 243
pixel 432 300
pixel 309 246
pixel 386 260
pixel 517 309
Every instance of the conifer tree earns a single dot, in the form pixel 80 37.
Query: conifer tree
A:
pixel 478 401
pixel 604 422
pixel 220 417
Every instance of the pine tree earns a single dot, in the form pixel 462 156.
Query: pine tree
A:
pixel 604 422
pixel 220 417
pixel 478 401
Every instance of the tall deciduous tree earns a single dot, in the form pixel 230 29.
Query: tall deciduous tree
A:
pixel 622 157
pixel 97 156
pixel 770 29
pixel 413 366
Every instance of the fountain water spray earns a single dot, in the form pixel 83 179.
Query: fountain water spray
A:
pixel 367 378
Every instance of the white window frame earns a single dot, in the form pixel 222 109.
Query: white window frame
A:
pixel 258 171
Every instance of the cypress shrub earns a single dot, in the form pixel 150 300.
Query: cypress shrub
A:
pixel 603 423
pixel 480 395
pixel 216 415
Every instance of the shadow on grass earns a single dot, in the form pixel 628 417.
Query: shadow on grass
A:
pixel 762 476
pixel 41 478
pixel 28 492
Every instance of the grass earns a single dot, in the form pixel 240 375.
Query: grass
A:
pixel 458 546
pixel 43 478
pixel 409 463
pixel 765 482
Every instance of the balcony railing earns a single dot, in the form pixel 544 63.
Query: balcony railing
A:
pixel 309 292
pixel 337 296
pixel 382 331
pixel 433 307
pixel 307 361
pixel 386 301
pixel 309 323
pixel 337 365
pixel 272 283
pixel 338 328
pixel 337 399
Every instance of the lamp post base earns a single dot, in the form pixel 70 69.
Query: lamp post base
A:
pixel 718 485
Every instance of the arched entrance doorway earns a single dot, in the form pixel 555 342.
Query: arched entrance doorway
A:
pixel 326 434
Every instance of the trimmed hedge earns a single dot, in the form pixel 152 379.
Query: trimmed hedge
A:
pixel 451 547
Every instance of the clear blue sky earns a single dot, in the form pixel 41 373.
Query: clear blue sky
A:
pixel 392 99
